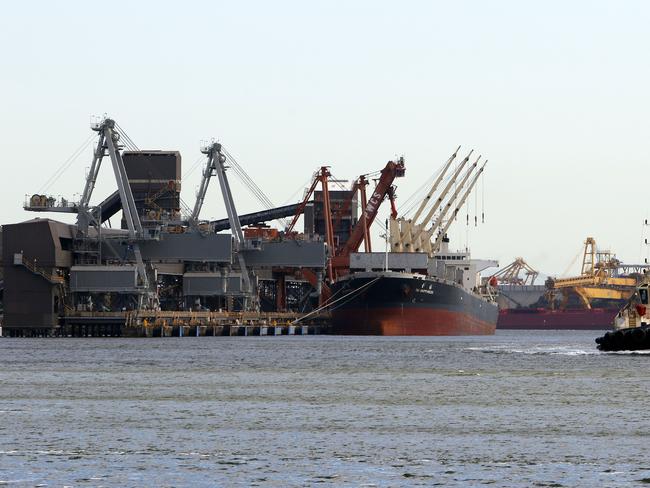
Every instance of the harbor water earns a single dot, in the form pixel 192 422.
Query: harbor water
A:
pixel 520 408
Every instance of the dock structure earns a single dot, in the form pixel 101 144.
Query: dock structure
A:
pixel 89 277
pixel 152 323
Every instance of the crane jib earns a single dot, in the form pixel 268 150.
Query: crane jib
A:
pixel 388 175
pixel 371 209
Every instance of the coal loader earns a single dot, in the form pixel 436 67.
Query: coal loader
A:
pixel 163 270
pixel 418 287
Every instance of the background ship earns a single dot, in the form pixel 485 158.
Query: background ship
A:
pixel 589 301
pixel 545 318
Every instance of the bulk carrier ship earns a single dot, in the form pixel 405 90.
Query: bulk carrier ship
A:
pixel 419 287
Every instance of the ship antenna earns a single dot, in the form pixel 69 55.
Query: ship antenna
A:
pixel 483 198
pixel 386 247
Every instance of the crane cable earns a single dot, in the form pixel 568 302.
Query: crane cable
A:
pixel 573 261
pixel 128 141
pixel 73 157
pixel 338 182
pixel 241 174
pixel 185 207
pixel 250 185
pixel 301 187
pixel 416 198
pixel 124 138
pixel 248 181
pixel 476 209
pixel 483 197
pixel 65 165
pixel 194 166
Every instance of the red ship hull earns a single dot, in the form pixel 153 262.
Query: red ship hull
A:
pixel 408 321
pixel 544 319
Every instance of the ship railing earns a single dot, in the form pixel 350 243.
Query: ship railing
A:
pixel 21 260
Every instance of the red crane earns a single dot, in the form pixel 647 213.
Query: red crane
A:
pixel 363 182
pixel 321 177
pixel 393 169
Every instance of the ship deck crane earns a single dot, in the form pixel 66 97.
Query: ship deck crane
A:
pixel 412 235
pixel 424 240
pixel 442 229
pixel 435 185
pixel 339 261
pixel 416 229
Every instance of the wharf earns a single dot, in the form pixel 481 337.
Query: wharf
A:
pixel 156 323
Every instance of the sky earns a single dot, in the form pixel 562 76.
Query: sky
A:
pixel 554 94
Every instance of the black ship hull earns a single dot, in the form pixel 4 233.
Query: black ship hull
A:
pixel 392 303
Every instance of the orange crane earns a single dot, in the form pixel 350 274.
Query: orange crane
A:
pixel 321 176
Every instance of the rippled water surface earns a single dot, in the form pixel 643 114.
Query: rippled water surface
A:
pixel 516 409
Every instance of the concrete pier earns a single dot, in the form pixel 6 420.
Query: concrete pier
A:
pixel 152 323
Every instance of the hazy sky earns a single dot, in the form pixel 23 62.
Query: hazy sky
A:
pixel 554 94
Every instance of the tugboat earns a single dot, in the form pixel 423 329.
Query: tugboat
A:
pixel 631 324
